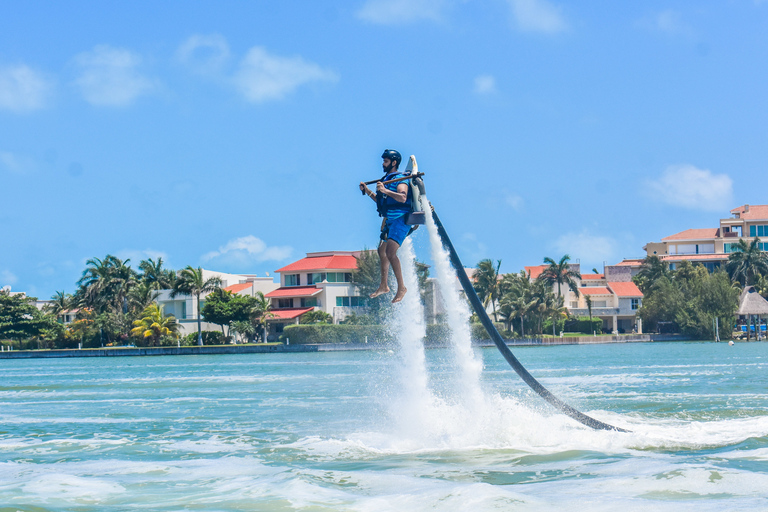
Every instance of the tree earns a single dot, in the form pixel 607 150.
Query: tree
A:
pixel 651 270
pixel 366 277
pixel 105 284
pixel 19 318
pixel 224 308
pixel 487 284
pixel 316 317
pixel 190 281
pixel 261 313
pixel 60 302
pixel 560 273
pixel 153 325
pixel 155 276
pixel 747 262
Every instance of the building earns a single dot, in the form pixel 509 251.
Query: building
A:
pixel 615 298
pixel 320 281
pixel 184 307
pixel 712 246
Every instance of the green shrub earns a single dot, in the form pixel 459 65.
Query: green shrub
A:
pixel 329 333
pixel 547 328
pixel 209 338
pixel 584 325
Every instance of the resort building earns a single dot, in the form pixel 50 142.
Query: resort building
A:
pixel 615 298
pixel 184 307
pixel 322 281
pixel 711 246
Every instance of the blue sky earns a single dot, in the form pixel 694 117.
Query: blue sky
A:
pixel 232 134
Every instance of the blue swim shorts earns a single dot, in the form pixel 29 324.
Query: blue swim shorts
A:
pixel 395 229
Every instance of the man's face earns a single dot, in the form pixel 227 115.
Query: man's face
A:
pixel 387 164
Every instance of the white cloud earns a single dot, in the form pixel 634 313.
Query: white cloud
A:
pixel 485 84
pixel 23 89
pixel 16 163
pixel 264 77
pixel 537 16
pixel 667 21
pixel 110 76
pixel 7 278
pixel 397 12
pixel 206 54
pixel 689 187
pixel 247 250
pixel 514 201
pixel 586 247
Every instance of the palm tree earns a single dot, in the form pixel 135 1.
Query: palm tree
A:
pixel 261 313
pixel 487 285
pixel 747 262
pixel 192 282
pixel 60 302
pixel 152 325
pixel 651 270
pixel 141 296
pixel 105 284
pixel 157 277
pixel 560 273
pixel 518 299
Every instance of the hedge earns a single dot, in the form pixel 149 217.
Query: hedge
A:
pixel 584 325
pixel 342 333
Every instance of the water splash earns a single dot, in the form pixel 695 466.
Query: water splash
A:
pixel 457 313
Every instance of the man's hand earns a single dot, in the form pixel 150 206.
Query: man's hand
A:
pixel 381 188
pixel 365 190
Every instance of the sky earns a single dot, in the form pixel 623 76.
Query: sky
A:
pixel 232 135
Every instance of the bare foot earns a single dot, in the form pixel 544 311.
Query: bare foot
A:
pixel 399 295
pixel 380 291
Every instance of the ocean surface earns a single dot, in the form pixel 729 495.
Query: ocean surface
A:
pixel 353 431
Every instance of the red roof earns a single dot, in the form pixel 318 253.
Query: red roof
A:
pixel 235 288
pixel 694 234
pixel 535 271
pixel 595 290
pixel 756 211
pixel 628 289
pixel 331 262
pixel 288 314
pixel 294 291
pixel 589 277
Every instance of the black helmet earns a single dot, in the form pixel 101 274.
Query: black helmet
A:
pixel 392 155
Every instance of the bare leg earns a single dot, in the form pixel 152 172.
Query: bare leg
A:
pixel 392 248
pixel 383 287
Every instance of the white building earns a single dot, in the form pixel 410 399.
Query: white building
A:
pixel 184 307
pixel 322 281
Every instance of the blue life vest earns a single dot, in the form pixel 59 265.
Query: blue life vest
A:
pixel 389 207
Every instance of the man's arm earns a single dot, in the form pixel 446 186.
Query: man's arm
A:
pixel 364 188
pixel 400 196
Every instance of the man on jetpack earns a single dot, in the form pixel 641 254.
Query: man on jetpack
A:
pixel 392 203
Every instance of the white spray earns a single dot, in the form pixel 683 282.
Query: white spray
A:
pixel 458 315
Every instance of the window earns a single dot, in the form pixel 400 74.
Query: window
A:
pixel 315 277
pixel 310 302
pixel 184 309
pixel 292 280
pixel 353 302
pixel 635 303
pixel 339 277
pixel 599 303
pixel 284 303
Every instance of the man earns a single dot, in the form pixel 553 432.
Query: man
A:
pixel 393 201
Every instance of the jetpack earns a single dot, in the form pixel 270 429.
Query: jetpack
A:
pixel 416 185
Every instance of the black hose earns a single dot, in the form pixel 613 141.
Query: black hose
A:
pixel 502 346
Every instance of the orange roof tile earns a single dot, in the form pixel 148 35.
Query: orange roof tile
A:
pixel 756 211
pixel 595 290
pixel 694 234
pixel 288 314
pixel 235 288
pixel 333 262
pixel 629 263
pixel 590 277
pixel 628 289
pixel 294 291
pixel 535 271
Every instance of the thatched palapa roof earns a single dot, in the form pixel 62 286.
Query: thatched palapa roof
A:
pixel 752 303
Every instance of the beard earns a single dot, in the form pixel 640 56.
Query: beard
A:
pixel 388 168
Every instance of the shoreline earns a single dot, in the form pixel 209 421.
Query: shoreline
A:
pixel 320 347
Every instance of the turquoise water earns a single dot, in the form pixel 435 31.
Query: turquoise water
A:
pixel 342 431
